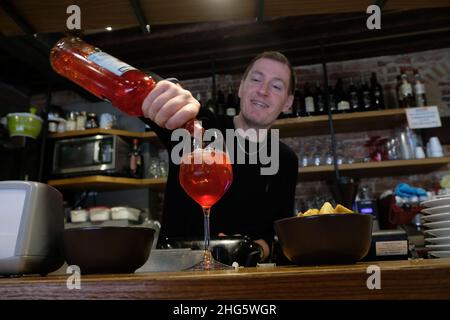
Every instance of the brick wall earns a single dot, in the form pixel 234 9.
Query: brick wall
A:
pixel 433 65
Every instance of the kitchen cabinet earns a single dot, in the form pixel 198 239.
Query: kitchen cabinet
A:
pixel 314 125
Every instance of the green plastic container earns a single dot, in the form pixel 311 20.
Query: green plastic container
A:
pixel 24 124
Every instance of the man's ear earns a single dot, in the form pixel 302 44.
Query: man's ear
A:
pixel 240 88
pixel 288 104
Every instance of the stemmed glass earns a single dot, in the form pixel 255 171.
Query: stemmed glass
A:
pixel 206 174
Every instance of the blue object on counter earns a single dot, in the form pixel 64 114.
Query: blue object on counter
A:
pixel 405 190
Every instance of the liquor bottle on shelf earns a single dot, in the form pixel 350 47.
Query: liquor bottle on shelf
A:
pixel 419 90
pixel 230 103
pixel 376 93
pixel 220 100
pixel 342 101
pixel 406 92
pixel 294 110
pixel 297 104
pixel 136 161
pixel 209 102
pixel 199 98
pixel 364 96
pixel 398 93
pixel 310 108
pixel 319 100
pixel 353 96
pixel 331 100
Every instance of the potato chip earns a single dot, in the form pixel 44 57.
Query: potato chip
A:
pixel 341 209
pixel 326 208
pixel 311 212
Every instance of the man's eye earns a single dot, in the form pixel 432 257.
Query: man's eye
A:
pixel 277 87
pixel 255 80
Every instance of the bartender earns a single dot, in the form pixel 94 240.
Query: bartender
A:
pixel 254 200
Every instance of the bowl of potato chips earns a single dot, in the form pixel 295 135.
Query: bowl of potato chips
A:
pixel 329 235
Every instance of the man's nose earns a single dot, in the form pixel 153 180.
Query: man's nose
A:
pixel 263 88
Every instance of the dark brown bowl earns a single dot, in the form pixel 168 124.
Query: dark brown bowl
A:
pixel 325 238
pixel 108 249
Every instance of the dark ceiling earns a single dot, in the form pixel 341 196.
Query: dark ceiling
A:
pixel 193 50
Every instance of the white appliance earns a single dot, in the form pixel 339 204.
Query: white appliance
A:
pixel 31 228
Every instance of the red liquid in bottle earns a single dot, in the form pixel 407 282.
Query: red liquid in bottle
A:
pixel 101 74
pixel 208 181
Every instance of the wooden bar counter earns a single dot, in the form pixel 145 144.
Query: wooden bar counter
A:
pixel 409 279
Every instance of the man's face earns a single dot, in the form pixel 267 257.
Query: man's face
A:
pixel 264 93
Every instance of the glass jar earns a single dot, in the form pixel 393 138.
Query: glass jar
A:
pixel 91 121
pixel 71 123
pixel 81 120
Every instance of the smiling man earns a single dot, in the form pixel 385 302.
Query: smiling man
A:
pixel 254 200
pixel 265 91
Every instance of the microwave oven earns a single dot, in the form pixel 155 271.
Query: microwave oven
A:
pixel 99 154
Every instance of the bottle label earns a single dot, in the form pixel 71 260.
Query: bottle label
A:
pixel 110 63
pixel 419 88
pixel 309 104
pixel 231 112
pixel 343 105
pixel 406 89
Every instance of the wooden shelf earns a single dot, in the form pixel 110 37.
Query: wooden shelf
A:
pixel 371 169
pixel 345 122
pixel 148 135
pixel 305 126
pixel 107 183
pixel 357 170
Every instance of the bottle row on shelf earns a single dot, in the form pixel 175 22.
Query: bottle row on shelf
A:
pixel 344 96
pixel 356 97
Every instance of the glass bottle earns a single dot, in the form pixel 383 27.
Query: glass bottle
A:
pixel 101 74
pixel 398 92
pixel 364 96
pixel 231 103
pixel 210 103
pixel 297 104
pixel 105 76
pixel 332 100
pixel 376 93
pixel 419 90
pixel 136 160
pixel 319 100
pixel 353 96
pixel 406 92
pixel 342 101
pixel 220 99
pixel 309 101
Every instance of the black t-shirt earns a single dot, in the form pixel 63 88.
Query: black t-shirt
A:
pixel 249 207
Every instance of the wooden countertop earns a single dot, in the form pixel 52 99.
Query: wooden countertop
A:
pixel 413 279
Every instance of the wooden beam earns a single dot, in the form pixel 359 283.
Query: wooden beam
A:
pixel 140 16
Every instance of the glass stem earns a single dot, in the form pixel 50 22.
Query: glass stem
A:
pixel 206 211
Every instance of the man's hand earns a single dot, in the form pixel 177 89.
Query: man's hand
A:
pixel 169 105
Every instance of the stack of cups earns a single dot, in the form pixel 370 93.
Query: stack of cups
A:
pixel 434 148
